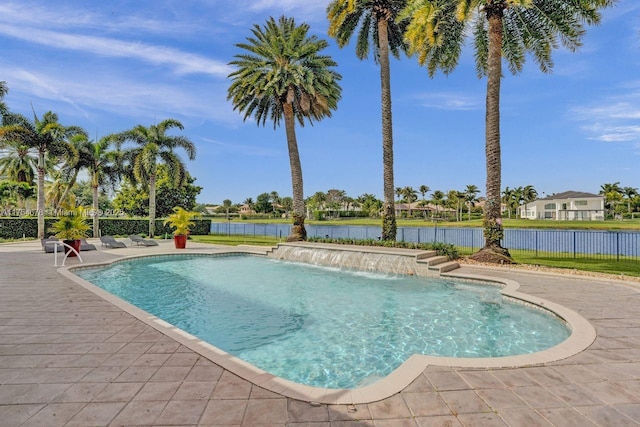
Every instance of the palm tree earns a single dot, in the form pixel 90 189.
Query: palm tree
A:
pixel 470 198
pixel 48 138
pixel 249 202
pixel 282 74
pixel 18 163
pixel 509 198
pixel 629 193
pixel 454 197
pixel 70 171
pixel 502 29
pixel 437 198
pixel 423 190
pixel 54 189
pixel 4 89
pixel 153 146
pixel 612 192
pixel 227 203
pixel 410 196
pixel 379 27
pixel 529 194
pixel 103 169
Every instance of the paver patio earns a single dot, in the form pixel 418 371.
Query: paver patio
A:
pixel 69 358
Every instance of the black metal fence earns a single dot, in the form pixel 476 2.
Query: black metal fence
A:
pixel 584 244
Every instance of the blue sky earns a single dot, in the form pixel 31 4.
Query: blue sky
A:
pixel 108 66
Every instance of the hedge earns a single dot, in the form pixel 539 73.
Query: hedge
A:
pixel 17 228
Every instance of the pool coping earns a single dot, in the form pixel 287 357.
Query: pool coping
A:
pixel 582 336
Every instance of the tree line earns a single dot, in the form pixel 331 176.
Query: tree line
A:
pixel 43 153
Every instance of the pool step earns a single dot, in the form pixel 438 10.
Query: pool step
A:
pixel 444 267
pixel 426 254
pixel 433 260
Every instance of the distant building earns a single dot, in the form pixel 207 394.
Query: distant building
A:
pixel 567 206
pixel 246 210
pixel 429 209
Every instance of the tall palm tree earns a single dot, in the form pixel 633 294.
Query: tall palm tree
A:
pixel 629 193
pixel 48 138
pixel 153 146
pixel 470 198
pixel 281 74
pixel 502 29
pixel 380 28
pixel 103 169
pixel 423 190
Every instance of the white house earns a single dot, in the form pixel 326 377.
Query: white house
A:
pixel 567 206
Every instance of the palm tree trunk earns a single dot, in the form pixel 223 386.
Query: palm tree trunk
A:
pixel 298 232
pixel 94 195
pixel 40 196
pixel 389 227
pixel 65 193
pixel 493 231
pixel 152 205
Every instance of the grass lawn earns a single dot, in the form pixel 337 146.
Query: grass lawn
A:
pixel 235 240
pixel 629 224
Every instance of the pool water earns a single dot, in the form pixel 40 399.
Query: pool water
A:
pixel 325 327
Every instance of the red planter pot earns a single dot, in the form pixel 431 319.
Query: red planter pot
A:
pixel 180 241
pixel 75 244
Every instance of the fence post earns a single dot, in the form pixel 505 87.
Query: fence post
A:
pixel 536 239
pixel 574 244
pixel 617 246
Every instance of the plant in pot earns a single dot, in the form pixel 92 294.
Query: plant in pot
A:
pixel 71 228
pixel 180 220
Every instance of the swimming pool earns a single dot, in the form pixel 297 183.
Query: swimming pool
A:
pixel 324 327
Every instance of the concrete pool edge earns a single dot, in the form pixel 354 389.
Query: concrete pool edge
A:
pixel 582 336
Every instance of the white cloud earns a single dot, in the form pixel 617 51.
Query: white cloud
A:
pixel 181 62
pixel 91 94
pixel 448 101
pixel 612 120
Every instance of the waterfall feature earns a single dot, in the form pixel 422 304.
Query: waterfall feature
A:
pixel 352 258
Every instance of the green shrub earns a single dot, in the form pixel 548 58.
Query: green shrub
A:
pixel 17 228
pixel 444 249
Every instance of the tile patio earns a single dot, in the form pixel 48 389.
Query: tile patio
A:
pixel 70 358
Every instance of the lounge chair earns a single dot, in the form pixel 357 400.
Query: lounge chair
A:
pixel 49 244
pixel 138 240
pixel 86 246
pixel 110 242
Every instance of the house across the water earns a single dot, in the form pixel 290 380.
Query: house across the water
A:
pixel 567 206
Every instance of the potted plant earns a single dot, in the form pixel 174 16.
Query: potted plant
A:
pixel 180 219
pixel 71 228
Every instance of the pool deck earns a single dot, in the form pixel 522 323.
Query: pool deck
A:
pixel 68 357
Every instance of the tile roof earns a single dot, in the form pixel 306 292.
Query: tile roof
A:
pixel 570 195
